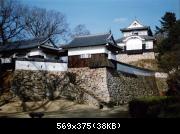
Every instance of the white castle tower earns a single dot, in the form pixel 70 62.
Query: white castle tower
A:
pixel 137 43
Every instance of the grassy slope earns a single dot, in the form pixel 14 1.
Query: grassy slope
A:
pixel 146 63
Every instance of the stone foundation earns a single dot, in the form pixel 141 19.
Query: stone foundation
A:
pixel 135 57
pixel 125 87
pixel 93 82
pixel 85 85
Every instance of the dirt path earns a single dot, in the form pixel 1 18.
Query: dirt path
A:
pixel 63 109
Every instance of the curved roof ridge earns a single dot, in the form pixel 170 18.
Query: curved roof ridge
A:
pixel 98 34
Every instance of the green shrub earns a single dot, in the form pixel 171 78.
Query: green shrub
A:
pixel 152 107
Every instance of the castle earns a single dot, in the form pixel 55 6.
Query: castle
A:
pixel 137 43
pixel 96 61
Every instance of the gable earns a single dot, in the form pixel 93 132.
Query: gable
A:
pixel 135 24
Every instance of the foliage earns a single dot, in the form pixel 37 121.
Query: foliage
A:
pixel 18 21
pixel 40 22
pixel 153 107
pixel 174 84
pixel 168 49
pixel 146 63
pixel 167 21
pixel 11 25
pixel 80 30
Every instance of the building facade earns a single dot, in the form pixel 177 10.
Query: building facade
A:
pixel 137 43
pixel 33 54
pixel 92 51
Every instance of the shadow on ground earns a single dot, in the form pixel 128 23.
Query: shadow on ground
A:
pixel 67 109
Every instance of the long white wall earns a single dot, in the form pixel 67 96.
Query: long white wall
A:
pixel 132 70
pixel 34 65
pixel 87 50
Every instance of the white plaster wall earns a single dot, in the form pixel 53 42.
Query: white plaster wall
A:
pixel 149 44
pixel 36 52
pixel 134 44
pixel 125 34
pixel 91 50
pixel 131 70
pixel 87 50
pixel 34 65
pixel 143 32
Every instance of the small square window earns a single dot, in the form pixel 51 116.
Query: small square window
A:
pixel 84 56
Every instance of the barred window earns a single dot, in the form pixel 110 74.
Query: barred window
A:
pixel 83 56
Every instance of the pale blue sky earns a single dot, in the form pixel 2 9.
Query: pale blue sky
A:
pixel 101 15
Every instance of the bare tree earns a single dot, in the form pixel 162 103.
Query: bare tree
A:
pixel 80 30
pixel 42 23
pixel 10 20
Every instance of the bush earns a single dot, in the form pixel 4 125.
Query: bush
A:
pixel 153 107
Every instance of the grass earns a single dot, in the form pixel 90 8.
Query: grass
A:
pixel 146 63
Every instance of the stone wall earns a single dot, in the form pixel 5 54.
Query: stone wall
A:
pixel 125 87
pixel 37 85
pixel 93 82
pixel 135 57
pixel 81 84
pixel 85 85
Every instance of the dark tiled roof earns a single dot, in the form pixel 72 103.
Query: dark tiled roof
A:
pixel 146 37
pixel 24 44
pixel 52 48
pixel 89 40
pixel 137 28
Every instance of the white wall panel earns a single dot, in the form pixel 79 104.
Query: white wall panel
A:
pixel 87 50
pixel 34 65
pixel 133 44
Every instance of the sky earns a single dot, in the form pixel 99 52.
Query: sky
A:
pixel 100 16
